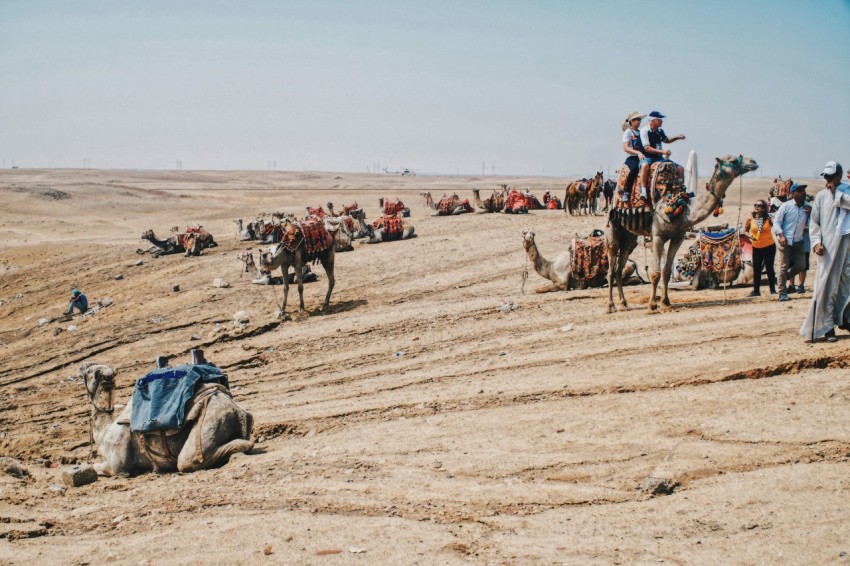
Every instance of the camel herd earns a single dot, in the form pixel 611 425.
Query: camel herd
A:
pixel 214 427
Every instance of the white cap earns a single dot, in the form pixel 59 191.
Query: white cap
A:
pixel 829 169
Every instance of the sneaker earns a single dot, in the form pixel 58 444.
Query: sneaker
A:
pixel 626 197
pixel 643 193
pixel 754 294
pixel 783 297
pixel 830 336
pixel 801 290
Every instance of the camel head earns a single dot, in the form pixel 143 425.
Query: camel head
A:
pixel 729 167
pixel 147 235
pixel 97 377
pixel 528 238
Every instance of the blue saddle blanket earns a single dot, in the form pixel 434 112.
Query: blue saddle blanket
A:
pixel 159 398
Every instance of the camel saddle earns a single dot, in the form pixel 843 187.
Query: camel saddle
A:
pixel 781 189
pixel 393 225
pixel 516 201
pixel 394 206
pixel 447 204
pixel 664 178
pixel 589 261
pixel 312 233
pixel 346 210
pixel 317 212
pixel 715 252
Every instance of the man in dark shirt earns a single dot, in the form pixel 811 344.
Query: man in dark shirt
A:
pixel 653 137
pixel 78 301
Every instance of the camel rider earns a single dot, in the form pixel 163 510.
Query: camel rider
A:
pixel 634 148
pixel 78 301
pixel 653 137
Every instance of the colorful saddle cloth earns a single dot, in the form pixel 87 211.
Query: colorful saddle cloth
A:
pixel 715 252
pixel 531 202
pixel 516 201
pixel 554 203
pixel 589 261
pixel 393 225
pixel 347 209
pixel 317 212
pixel 447 204
pixel 664 178
pixel 312 233
pixel 394 206
pixel 781 189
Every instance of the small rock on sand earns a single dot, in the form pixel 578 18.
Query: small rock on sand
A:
pixel 13 467
pixel 175 288
pixel 220 283
pixel 240 317
pixel 119 277
pixel 75 476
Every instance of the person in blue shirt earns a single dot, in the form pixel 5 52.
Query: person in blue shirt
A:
pixel 789 223
pixel 652 138
pixel 78 301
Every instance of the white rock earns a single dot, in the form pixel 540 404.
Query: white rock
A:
pixel 72 328
pixel 566 328
pixel 220 283
pixel 42 321
pixel 140 262
pixel 105 302
pixel 240 317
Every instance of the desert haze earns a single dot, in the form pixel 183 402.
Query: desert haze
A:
pixel 435 414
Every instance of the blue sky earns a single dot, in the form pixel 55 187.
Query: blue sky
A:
pixel 442 87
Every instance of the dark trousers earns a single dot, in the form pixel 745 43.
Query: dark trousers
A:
pixel 633 163
pixel 764 257
pixel 791 263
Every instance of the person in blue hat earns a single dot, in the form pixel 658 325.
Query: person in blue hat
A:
pixel 653 138
pixel 789 222
pixel 78 301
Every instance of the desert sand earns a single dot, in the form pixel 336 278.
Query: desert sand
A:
pixel 416 422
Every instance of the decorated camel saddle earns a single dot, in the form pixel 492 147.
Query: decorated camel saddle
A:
pixel 316 212
pixel 716 254
pixel 551 202
pixel 192 236
pixel 164 401
pixel 516 202
pixel 781 189
pixel 664 181
pixel 531 201
pixel 347 208
pixel 393 225
pixel 312 233
pixel 393 206
pixel 589 261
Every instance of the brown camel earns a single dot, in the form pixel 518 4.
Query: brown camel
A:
pixel 581 195
pixel 302 243
pixel 493 203
pixel 448 205
pixel 626 224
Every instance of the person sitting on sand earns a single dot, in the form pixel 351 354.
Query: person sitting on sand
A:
pixel 78 301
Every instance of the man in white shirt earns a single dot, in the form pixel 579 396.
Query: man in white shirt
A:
pixel 830 236
pixel 788 225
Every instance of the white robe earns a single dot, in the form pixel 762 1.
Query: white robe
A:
pixel 832 284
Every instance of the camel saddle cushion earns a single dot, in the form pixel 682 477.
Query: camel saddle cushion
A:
pixel 719 251
pixel 394 206
pixel 589 260
pixel 516 201
pixel 664 177
pixel 313 233
pixel 393 225
pixel 159 398
pixel 447 204
pixel 347 209
pixel 317 212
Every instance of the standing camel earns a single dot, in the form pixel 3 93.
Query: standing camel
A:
pixel 302 243
pixel 626 224
pixel 580 194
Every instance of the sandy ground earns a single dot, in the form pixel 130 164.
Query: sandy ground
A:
pixel 415 421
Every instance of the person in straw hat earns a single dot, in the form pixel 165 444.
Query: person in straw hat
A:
pixel 634 149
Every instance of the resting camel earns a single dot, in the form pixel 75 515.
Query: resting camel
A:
pixel 215 428
pixel 626 224
pixel 191 242
pixel 337 228
pixel 781 189
pixel 581 195
pixel 449 205
pixel 393 206
pixel 493 203
pixel 293 252
pixel 389 228
pixel 362 229
pixel 559 270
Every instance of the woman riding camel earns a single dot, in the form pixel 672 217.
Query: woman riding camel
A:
pixel 634 149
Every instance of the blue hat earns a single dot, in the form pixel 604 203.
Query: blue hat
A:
pixel 75 292
pixel 655 114
pixel 798 187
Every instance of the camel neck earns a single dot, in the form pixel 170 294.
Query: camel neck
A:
pixel 707 200
pixel 541 265
pixel 102 409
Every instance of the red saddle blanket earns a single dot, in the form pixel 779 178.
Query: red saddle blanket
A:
pixel 448 204
pixel 394 206
pixel 589 259
pixel 317 212
pixel 516 200
pixel 393 224
pixel 313 233
pixel 781 188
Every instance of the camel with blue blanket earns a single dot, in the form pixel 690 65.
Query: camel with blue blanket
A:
pixel 179 418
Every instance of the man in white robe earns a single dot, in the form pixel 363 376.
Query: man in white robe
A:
pixel 830 235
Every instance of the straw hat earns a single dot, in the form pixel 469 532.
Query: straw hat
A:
pixel 631 117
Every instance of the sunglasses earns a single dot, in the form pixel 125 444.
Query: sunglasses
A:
pixel 757 205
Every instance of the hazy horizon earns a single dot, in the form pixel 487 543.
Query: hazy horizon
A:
pixel 472 88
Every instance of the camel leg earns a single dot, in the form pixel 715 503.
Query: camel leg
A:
pixel 655 273
pixel 220 430
pixel 328 264
pixel 672 248
pixel 299 280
